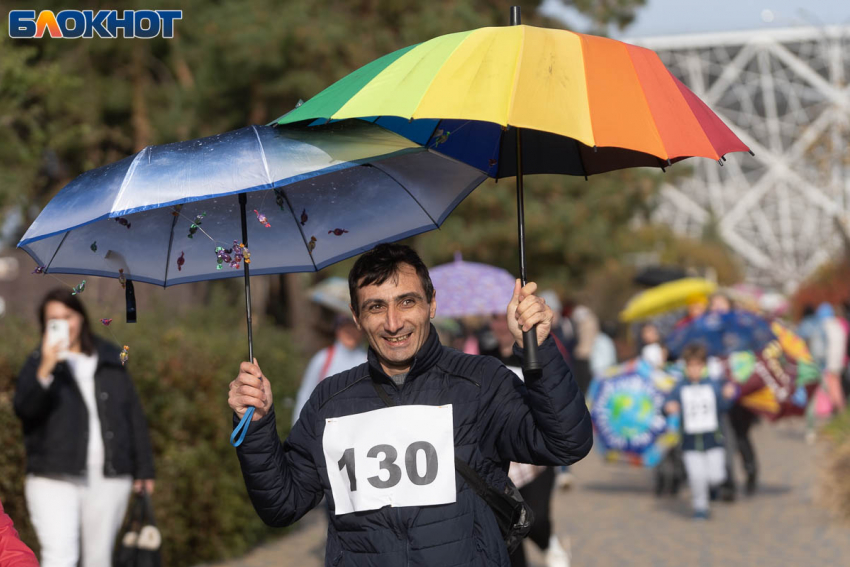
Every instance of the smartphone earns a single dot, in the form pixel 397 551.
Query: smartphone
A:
pixel 57 333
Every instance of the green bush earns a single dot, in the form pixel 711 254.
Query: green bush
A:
pixel 181 366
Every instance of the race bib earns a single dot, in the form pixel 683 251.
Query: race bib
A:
pixel 699 409
pixel 396 456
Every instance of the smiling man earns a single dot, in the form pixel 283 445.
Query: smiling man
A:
pixel 380 441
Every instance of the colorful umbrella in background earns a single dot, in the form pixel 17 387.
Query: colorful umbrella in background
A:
pixel 779 380
pixel 770 364
pixel 176 213
pixel 466 289
pixel 519 99
pixel 666 297
pixel 626 408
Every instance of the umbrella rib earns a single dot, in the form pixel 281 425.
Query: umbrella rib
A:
pixel 55 252
pixel 415 200
pixel 129 176
pixel 298 226
pixel 168 255
pixel 263 155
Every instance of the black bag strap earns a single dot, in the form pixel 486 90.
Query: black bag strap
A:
pixel 388 401
pixel 472 478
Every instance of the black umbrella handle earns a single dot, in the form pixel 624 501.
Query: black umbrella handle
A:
pixel 238 435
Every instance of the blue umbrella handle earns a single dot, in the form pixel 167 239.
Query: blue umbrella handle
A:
pixel 241 430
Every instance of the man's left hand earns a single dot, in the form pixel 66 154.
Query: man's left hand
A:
pixel 526 310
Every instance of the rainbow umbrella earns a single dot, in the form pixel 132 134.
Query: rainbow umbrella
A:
pixel 520 99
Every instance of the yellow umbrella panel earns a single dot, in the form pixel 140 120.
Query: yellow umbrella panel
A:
pixel 666 297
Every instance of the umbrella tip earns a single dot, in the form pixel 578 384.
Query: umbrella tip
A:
pixel 752 153
pixel 516 16
pixel 458 256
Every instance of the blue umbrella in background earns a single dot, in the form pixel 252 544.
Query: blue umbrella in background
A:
pixel 723 333
pixel 304 197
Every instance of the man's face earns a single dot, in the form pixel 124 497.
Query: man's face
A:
pixel 395 317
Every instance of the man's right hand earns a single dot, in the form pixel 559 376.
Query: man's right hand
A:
pixel 250 389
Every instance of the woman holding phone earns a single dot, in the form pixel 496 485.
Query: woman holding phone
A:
pixel 86 437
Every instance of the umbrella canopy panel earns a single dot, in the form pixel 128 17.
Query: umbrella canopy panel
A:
pixel 327 193
pixel 666 297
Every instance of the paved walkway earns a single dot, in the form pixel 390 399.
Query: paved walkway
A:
pixel 611 519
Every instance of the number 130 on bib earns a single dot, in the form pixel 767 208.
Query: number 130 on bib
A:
pixel 397 456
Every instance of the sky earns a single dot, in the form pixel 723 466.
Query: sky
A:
pixel 667 17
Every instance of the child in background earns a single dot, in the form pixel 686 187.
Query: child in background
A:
pixel 701 401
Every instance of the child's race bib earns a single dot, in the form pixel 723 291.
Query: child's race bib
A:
pixel 396 456
pixel 699 409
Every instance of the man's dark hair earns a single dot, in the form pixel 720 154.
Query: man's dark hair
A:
pixel 382 263
pixel 63 296
pixel 694 351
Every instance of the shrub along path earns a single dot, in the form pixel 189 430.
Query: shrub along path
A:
pixel 612 518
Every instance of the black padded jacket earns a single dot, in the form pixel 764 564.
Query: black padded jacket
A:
pixel 497 419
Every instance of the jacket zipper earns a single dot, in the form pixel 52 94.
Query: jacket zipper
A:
pixel 402 532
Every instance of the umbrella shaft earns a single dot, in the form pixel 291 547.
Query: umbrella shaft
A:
pixel 520 208
pixel 242 202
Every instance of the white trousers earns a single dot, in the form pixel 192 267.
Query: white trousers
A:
pixel 68 510
pixel 705 469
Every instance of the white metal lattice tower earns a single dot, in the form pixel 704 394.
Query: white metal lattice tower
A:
pixel 785 94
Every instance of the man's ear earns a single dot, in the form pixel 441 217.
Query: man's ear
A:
pixel 354 316
pixel 434 304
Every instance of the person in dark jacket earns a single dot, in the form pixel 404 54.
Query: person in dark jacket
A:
pixel 388 473
pixel 86 438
